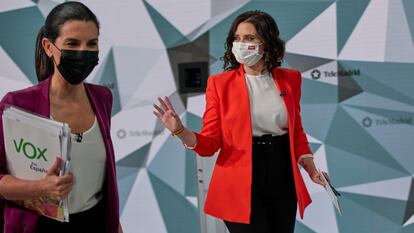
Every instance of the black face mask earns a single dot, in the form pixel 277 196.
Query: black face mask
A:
pixel 76 65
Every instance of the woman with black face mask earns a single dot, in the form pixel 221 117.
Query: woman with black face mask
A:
pixel 66 53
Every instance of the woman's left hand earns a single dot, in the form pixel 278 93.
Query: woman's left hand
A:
pixel 317 177
pixel 314 174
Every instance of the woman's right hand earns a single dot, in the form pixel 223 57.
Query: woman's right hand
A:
pixel 56 187
pixel 167 115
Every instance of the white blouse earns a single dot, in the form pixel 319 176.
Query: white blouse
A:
pixel 88 159
pixel 268 113
pixel 267 109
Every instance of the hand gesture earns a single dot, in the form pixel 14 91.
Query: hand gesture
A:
pixel 167 115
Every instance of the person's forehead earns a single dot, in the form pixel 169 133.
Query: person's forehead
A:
pixel 77 29
pixel 246 28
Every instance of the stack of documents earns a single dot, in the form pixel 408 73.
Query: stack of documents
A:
pixel 32 144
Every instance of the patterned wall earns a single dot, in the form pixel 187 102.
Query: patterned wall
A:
pixel 357 63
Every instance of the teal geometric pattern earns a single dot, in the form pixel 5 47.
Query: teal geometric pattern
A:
pixel 17 40
pixel 357 63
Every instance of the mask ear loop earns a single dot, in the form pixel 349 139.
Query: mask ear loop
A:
pixel 258 47
pixel 258 52
pixel 52 57
pixel 55 46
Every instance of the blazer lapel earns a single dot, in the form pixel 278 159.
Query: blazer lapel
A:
pixel 282 83
pixel 97 110
pixel 42 100
pixel 243 99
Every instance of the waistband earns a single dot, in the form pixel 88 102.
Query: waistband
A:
pixel 268 139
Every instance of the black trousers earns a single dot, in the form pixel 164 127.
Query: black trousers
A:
pixel 273 202
pixel 89 221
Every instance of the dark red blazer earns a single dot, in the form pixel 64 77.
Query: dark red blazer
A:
pixel 227 126
pixel 36 99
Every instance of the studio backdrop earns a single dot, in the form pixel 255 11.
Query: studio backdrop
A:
pixel 357 64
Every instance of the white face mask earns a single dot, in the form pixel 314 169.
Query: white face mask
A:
pixel 246 53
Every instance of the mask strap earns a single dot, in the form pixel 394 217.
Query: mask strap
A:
pixel 53 58
pixel 258 47
pixel 55 46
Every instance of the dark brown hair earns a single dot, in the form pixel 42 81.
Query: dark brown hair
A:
pixel 267 30
pixel 59 15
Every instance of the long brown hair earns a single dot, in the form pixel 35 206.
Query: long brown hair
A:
pixel 267 29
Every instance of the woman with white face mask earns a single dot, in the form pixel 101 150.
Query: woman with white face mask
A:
pixel 253 115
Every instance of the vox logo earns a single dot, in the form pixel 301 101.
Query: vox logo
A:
pixel 29 150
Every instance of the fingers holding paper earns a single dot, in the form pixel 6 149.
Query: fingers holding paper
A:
pixel 56 187
pixel 318 179
pixel 314 173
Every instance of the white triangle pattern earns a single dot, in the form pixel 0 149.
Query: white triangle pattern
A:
pixel 368 40
pixel 318 38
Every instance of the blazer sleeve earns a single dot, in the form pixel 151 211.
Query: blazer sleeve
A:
pixel 209 139
pixel 7 100
pixel 301 143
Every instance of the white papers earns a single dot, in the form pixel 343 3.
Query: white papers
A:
pixel 331 193
pixel 32 144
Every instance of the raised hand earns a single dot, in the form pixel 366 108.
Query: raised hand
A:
pixel 167 115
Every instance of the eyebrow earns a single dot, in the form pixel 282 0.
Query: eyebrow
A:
pixel 76 40
pixel 246 35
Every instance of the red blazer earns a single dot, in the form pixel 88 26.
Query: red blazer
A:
pixel 227 126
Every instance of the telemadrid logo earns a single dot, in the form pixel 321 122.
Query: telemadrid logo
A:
pixel 121 134
pixel 316 74
pixel 384 121
pixel 367 122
